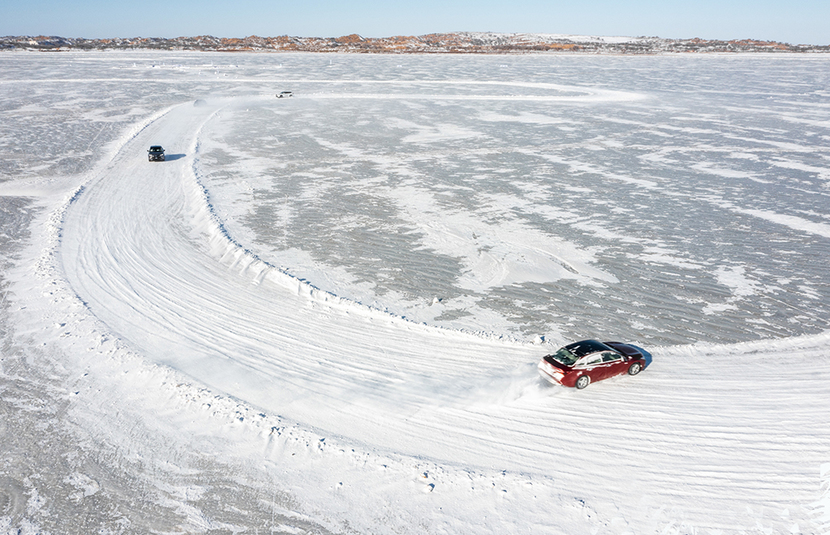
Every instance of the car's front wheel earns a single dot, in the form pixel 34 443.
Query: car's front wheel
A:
pixel 582 382
pixel 635 368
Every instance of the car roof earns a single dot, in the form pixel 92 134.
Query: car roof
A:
pixel 156 147
pixel 586 347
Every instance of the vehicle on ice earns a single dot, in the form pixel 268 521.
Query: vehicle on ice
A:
pixel 285 94
pixel 582 363
pixel 155 154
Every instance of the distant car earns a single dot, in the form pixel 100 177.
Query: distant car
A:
pixel 285 94
pixel 156 153
pixel 582 363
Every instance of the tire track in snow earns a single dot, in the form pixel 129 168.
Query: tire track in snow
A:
pixel 706 435
pixel 129 253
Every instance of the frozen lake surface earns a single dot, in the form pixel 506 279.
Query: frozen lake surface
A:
pixel 323 313
pixel 674 211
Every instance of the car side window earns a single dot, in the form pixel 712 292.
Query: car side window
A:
pixel 593 360
pixel 610 357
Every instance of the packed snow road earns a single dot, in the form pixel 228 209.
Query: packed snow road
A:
pixel 718 436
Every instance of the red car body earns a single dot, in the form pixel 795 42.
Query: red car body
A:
pixel 582 363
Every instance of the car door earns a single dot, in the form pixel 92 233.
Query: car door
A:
pixel 590 365
pixel 612 364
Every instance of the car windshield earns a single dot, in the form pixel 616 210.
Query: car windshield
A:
pixel 565 357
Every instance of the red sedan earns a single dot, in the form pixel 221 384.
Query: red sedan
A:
pixel 581 363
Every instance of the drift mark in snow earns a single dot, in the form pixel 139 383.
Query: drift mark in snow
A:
pixel 695 432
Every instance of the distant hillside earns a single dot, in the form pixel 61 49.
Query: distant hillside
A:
pixel 462 42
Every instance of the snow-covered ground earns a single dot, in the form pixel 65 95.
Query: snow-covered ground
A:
pixel 323 314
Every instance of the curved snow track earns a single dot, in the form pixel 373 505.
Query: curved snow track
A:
pixel 702 435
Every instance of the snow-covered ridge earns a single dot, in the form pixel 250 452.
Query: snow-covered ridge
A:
pixel 458 42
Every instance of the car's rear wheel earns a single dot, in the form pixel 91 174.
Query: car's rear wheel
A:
pixel 582 382
pixel 635 368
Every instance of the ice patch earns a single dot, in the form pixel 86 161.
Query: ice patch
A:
pixel 525 117
pixel 823 173
pixel 791 221
pixel 716 308
pixel 85 485
pixel 495 254
pixel 708 167
pixel 659 254
pixel 440 133
pixel 735 278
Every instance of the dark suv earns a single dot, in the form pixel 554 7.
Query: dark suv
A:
pixel 156 153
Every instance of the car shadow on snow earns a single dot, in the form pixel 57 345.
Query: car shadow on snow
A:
pixel 646 355
pixel 170 157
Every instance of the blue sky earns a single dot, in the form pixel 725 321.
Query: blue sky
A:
pixel 793 21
